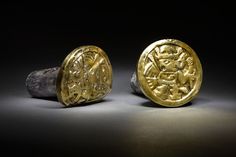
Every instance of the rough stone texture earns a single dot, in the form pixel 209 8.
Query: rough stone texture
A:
pixel 42 83
pixel 134 84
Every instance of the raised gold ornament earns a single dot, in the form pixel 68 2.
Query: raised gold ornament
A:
pixel 84 76
pixel 169 73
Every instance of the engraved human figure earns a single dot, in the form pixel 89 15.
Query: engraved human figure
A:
pixel 167 77
pixel 174 70
pixel 187 74
pixel 181 61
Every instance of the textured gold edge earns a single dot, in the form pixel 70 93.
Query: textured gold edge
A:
pixel 67 60
pixel 148 94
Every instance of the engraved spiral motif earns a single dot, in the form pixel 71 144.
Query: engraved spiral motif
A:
pixel 86 76
pixel 170 73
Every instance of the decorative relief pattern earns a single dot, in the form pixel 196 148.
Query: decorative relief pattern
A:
pixel 170 72
pixel 87 76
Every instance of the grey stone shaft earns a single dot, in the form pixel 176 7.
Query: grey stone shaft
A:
pixel 42 83
pixel 134 84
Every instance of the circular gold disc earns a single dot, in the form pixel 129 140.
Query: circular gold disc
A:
pixel 85 76
pixel 169 73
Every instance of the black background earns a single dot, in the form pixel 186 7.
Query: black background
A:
pixel 40 35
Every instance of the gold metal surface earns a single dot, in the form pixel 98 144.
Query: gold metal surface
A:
pixel 169 73
pixel 85 76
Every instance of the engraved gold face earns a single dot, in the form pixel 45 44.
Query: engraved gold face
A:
pixel 169 73
pixel 85 76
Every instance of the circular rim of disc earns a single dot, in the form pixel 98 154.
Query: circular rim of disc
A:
pixel 67 60
pixel 147 91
